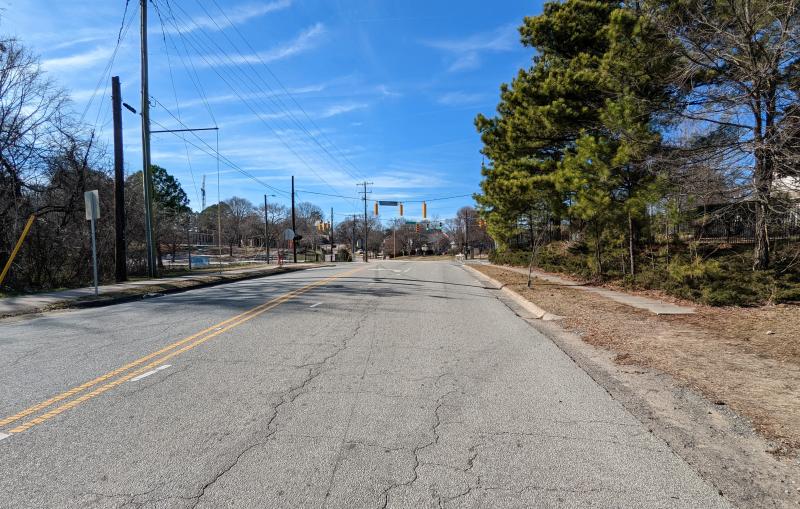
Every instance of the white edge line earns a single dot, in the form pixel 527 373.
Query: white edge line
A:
pixel 315 305
pixel 151 372
pixel 3 436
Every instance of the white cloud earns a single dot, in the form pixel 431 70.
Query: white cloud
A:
pixel 466 52
pixel 232 98
pixel 338 109
pixel 397 179
pixel 78 61
pixel 466 62
pixel 386 91
pixel 82 95
pixel 458 98
pixel 235 16
pixel 503 38
pixel 307 39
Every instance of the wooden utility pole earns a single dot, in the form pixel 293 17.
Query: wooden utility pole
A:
pixel 266 227
pixel 147 180
pixel 366 221
pixel 120 255
pixel 294 231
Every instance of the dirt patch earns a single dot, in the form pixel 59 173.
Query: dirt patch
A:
pixel 747 359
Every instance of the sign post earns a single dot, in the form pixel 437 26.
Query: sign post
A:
pixel 92 201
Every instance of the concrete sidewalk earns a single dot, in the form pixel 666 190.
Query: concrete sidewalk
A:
pixel 131 290
pixel 655 306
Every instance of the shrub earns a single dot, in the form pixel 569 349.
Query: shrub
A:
pixel 343 255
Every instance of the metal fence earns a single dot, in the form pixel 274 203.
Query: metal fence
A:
pixel 727 223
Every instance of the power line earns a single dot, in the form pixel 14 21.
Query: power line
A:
pixel 287 92
pixel 274 97
pixel 326 194
pixel 123 31
pixel 194 42
pixel 177 105
pixel 227 160
pixel 213 152
pixel 439 199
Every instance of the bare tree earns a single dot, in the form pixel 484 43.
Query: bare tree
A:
pixel 239 210
pixel 277 216
pixel 740 62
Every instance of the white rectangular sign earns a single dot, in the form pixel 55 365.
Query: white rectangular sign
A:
pixel 92 201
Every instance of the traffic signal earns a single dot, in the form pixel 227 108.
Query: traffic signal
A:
pixel 424 210
pixel 376 208
pixel 417 228
pixel 401 209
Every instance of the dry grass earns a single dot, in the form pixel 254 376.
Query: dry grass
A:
pixel 747 358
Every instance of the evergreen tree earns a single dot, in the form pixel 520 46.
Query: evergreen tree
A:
pixel 575 131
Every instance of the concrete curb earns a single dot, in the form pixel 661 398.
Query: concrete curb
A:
pixel 213 279
pixel 530 307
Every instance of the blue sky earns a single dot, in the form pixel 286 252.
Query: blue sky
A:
pixel 382 90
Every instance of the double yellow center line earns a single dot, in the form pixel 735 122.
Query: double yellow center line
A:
pixel 148 362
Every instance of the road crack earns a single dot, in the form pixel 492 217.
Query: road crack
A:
pixel 313 371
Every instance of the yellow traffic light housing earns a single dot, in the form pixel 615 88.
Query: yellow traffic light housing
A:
pixel 376 208
pixel 424 210
pixel 401 209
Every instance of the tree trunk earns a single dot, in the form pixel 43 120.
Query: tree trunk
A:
pixel 630 245
pixel 763 185
pixel 598 252
pixel 160 257
pixel 761 248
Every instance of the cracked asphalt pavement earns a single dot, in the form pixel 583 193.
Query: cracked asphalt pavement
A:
pixel 399 384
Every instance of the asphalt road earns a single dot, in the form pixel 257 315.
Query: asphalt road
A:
pixel 399 384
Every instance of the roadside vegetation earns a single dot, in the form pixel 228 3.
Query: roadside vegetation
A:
pixel 653 145
pixel 713 274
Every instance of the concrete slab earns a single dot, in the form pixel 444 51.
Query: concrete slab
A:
pixel 655 306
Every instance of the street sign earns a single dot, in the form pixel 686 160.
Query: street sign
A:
pixel 92 201
pixel 387 203
pixel 410 222
pixel 288 234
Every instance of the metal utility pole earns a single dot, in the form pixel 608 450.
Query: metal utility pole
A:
pixel 294 231
pixel 266 227
pixel 147 180
pixel 366 221
pixel 120 257
pixel 330 238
